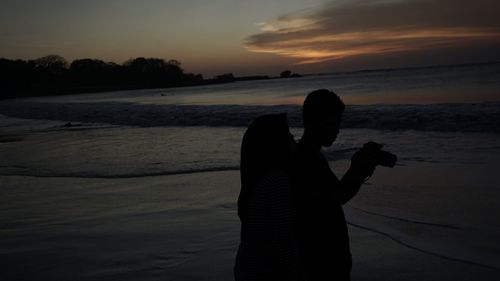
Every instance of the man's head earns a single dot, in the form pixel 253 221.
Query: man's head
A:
pixel 322 113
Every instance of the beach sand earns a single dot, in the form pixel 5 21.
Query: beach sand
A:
pixel 415 222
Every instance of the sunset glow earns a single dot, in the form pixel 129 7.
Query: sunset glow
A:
pixel 256 37
pixel 346 30
pixel 334 46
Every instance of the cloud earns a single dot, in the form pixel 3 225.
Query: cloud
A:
pixel 350 28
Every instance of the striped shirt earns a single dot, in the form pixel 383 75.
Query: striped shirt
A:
pixel 268 248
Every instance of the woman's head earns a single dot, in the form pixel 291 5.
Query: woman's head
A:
pixel 265 147
pixel 265 143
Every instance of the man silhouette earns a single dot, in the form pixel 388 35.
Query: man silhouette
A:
pixel 321 225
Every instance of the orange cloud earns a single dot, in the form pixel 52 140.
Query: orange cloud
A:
pixel 369 27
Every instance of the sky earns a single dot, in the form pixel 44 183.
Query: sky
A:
pixel 256 37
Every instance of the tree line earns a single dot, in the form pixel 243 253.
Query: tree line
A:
pixel 53 75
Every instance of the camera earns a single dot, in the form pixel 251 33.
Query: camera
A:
pixel 382 158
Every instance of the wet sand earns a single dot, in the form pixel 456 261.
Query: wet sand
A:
pixel 417 224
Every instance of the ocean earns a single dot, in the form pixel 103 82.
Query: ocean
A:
pixel 168 131
pixel 149 166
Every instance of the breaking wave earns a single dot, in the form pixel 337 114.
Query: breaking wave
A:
pixel 452 117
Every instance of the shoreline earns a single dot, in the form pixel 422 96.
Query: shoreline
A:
pixel 185 227
pixel 244 78
pixel 447 117
pixel 160 174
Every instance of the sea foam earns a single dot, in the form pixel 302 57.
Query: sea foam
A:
pixel 451 117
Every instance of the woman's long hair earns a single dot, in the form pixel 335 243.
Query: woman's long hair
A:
pixel 265 147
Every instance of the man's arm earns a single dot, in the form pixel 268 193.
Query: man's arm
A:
pixel 362 166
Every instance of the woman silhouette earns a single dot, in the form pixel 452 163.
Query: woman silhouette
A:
pixel 268 248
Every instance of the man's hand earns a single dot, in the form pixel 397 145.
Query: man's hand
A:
pixel 363 163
